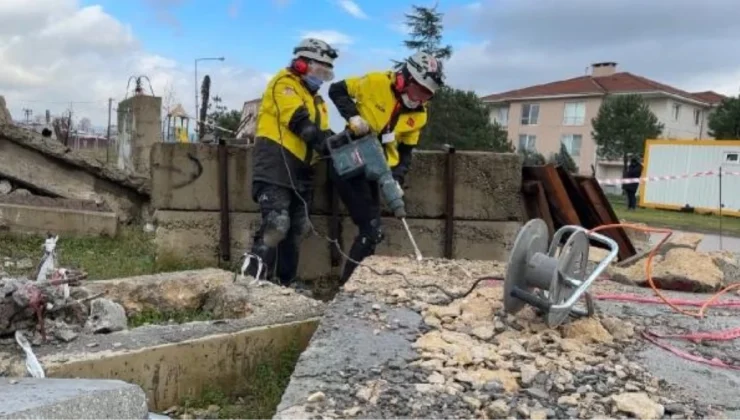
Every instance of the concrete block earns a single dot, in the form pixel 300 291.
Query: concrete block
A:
pixel 486 184
pixel 66 222
pixel 46 398
pixel 475 240
pixel 184 234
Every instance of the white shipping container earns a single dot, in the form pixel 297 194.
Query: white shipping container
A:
pixel 680 157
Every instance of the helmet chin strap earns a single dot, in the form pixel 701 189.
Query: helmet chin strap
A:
pixel 408 102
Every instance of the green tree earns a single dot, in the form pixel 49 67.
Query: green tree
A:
pixel 460 118
pixel 425 28
pixel 456 116
pixel 621 127
pixel 223 117
pixel 563 159
pixel 531 157
pixel 724 122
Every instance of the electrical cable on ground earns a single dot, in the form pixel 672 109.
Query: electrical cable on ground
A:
pixel 674 305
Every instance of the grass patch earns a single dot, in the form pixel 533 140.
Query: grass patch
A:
pixel 259 396
pixel 150 316
pixel 694 222
pixel 130 253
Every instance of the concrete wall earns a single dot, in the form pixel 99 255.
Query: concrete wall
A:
pixel 488 207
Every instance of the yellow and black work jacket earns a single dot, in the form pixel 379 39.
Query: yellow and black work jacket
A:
pixel 373 98
pixel 291 123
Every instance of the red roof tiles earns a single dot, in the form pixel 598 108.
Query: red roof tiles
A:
pixel 622 82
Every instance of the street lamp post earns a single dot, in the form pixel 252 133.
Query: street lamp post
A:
pixel 196 81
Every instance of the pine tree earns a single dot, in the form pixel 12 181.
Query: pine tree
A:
pixel 425 24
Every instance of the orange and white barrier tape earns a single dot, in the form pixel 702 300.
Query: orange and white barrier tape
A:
pixel 622 181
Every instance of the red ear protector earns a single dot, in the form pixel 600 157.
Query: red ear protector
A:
pixel 300 66
pixel 400 82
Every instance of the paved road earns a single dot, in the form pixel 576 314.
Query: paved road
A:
pixel 710 243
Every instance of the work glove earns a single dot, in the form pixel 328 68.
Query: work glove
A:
pixel 358 126
pixel 323 146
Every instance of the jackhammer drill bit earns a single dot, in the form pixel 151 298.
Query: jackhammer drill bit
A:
pixel 411 237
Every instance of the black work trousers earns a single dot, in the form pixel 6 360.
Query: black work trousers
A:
pixel 631 198
pixel 284 224
pixel 362 200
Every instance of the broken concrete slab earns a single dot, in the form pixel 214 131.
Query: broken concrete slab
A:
pixel 43 219
pixel 421 348
pixel 46 398
pixel 166 292
pixel 175 361
pixel 28 159
pixel 487 185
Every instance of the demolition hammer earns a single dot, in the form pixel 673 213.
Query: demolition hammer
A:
pixel 365 157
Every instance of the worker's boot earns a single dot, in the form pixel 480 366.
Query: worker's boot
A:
pixel 362 248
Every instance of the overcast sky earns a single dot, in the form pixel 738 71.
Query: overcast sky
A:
pixel 57 52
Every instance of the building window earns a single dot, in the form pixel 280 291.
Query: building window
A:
pixel 676 111
pixel 572 143
pixel 697 116
pixel 730 157
pixel 530 114
pixel 500 116
pixel 574 113
pixel 527 142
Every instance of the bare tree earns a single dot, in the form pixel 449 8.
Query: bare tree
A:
pixel 169 97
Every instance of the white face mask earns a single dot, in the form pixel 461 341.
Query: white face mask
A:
pixel 408 102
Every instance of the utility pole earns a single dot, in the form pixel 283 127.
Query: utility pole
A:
pixel 107 136
pixel 28 113
pixel 69 126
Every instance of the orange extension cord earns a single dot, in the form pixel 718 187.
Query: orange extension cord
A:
pixel 654 337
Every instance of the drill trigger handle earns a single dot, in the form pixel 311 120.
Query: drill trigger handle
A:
pixel 338 140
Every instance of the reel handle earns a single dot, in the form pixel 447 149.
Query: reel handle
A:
pixel 531 299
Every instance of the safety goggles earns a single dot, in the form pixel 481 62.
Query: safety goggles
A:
pixel 418 93
pixel 330 53
pixel 321 71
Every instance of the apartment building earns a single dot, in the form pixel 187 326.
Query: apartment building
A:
pixel 542 117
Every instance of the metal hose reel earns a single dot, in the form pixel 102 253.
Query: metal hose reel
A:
pixel 553 278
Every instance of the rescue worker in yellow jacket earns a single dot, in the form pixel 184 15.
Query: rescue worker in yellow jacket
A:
pixel 393 105
pixel 292 125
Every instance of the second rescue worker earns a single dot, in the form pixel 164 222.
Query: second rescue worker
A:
pixel 292 126
pixel 393 105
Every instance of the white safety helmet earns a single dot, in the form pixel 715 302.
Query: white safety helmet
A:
pixel 316 50
pixel 426 70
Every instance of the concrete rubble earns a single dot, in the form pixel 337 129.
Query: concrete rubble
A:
pixel 678 265
pixel 401 341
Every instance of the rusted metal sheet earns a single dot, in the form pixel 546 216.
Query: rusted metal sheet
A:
pixel 603 208
pixel 571 200
pixel 536 204
pixel 561 208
